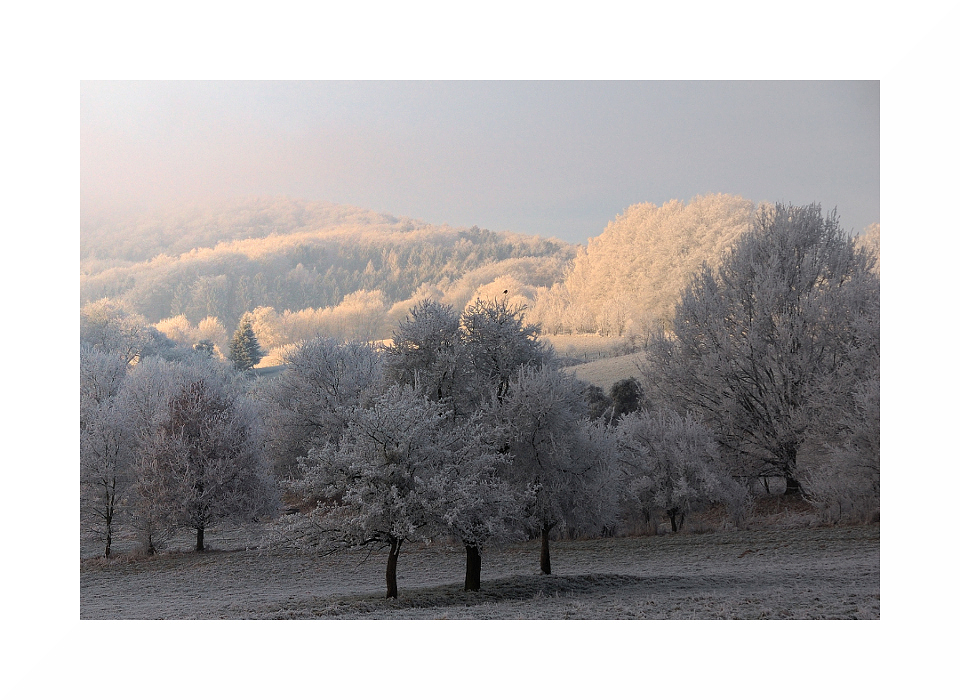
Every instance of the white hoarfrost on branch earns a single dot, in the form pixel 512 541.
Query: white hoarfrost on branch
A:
pixel 672 466
pixel 402 471
pixel 199 448
pixel 755 341
pixel 310 402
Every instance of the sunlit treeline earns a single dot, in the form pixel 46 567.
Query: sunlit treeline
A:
pixel 357 273
pixel 319 270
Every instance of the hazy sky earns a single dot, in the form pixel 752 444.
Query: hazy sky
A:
pixel 550 158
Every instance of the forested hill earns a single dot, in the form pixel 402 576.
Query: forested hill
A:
pixel 108 238
pixel 303 268
pixel 294 255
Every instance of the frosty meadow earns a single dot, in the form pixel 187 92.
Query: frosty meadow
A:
pixel 679 420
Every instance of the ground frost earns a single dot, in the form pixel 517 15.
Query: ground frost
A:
pixel 812 573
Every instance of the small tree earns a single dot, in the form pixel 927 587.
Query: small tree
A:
pixel 204 347
pixel 245 351
pixel 541 420
pixel 672 464
pixel 598 403
pixel 105 443
pixel 627 396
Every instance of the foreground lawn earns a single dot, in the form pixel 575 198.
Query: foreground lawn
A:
pixel 799 573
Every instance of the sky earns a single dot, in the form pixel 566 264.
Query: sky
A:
pixel 553 158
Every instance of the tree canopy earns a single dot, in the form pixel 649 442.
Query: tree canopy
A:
pixel 755 340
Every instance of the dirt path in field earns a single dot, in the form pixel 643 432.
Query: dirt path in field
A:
pixel 810 573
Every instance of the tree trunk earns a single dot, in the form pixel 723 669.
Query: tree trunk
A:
pixel 392 567
pixel 793 486
pixel 545 549
pixel 199 539
pixel 106 551
pixel 676 519
pixel 472 581
pixel 790 468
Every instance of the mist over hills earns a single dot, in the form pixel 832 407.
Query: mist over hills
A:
pixel 303 268
pixel 293 256
pixel 112 237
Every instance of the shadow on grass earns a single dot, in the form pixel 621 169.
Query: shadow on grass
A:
pixel 509 589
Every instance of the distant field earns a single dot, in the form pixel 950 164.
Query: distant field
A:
pixel 608 367
pixel 800 573
pixel 585 346
pixel 607 371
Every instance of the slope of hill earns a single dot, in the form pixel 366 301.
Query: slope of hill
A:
pixel 607 371
pixel 631 275
pixel 309 267
pixel 115 237
pixel 292 256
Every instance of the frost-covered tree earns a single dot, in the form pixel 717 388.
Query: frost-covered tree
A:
pixel 311 401
pixel 427 350
pixel 840 459
pixel 105 444
pixel 755 339
pixel 245 351
pixel 199 451
pixel 401 472
pixel 672 465
pixel 109 326
pixel 462 360
pixel 552 455
pixel 474 502
pixel 465 363
pixel 634 271
pixel 498 342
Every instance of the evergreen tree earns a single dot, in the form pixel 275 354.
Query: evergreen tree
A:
pixel 245 350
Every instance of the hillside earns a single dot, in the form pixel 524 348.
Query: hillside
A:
pixel 628 278
pixel 294 256
pixel 304 268
pixel 112 238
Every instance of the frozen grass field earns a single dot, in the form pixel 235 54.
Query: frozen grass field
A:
pixel 609 370
pixel 780 573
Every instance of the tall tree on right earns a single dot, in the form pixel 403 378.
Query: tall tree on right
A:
pixel 755 341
